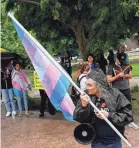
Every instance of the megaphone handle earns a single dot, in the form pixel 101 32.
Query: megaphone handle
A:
pixel 110 124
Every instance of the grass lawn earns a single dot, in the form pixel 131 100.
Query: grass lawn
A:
pixel 30 76
pixel 135 71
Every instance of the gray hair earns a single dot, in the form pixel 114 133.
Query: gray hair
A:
pixel 107 92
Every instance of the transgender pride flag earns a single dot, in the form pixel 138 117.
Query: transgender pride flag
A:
pixel 54 81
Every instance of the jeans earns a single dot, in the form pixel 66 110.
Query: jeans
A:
pixel 8 99
pixel 115 145
pixel 19 101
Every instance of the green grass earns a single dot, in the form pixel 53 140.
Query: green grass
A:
pixel 135 106
pixel 30 76
pixel 135 71
pixel 135 89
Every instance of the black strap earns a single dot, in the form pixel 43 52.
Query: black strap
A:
pixel 79 80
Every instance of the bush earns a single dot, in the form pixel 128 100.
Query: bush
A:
pixel 135 89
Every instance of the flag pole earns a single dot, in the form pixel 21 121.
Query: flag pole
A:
pixel 66 75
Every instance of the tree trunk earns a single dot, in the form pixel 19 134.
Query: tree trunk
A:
pixel 80 39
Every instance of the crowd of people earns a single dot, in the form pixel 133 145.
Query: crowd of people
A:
pixel 14 83
pixel 109 90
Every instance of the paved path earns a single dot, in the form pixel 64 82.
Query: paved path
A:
pixel 134 81
pixel 49 132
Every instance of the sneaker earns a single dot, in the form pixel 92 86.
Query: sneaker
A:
pixel 41 115
pixel 27 113
pixel 8 114
pixel 13 114
pixel 20 114
pixel 133 125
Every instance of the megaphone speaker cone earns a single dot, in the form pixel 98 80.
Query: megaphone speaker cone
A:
pixel 84 133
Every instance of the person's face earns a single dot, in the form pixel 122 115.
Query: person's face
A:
pixel 90 59
pixel 121 49
pixel 17 67
pixel 91 87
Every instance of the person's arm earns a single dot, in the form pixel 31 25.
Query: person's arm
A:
pixel 123 114
pixel 128 76
pixel 26 77
pixel 83 112
pixel 111 78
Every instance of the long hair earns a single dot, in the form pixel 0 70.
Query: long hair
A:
pixel 108 93
pixel 84 67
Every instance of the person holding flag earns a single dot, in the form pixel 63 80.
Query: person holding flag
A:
pixel 113 106
pixel 56 81
pixel 20 84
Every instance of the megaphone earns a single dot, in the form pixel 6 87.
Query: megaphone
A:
pixel 84 133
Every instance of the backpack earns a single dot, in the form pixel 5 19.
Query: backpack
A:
pixel 75 95
pixel 79 80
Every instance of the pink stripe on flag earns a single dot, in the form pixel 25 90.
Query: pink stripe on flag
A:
pixel 29 46
pixel 52 74
pixel 51 70
pixel 67 104
pixel 23 76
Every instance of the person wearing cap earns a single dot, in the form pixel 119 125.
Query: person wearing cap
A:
pixel 119 74
pixel 112 103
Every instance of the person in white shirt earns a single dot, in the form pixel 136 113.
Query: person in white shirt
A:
pixel 85 69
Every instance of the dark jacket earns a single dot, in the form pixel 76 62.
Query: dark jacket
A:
pixel 120 115
pixel 6 82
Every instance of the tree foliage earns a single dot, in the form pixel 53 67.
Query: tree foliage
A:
pixel 91 24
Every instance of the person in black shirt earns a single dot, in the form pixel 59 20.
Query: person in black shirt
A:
pixel 7 90
pixel 110 57
pixel 66 62
pixel 111 102
pixel 102 63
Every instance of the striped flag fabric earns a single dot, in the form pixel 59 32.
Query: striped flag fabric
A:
pixel 53 80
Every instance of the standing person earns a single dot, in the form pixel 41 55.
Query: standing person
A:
pixel 7 91
pixel 51 108
pixel 102 63
pixel 20 83
pixel 122 56
pixel 91 59
pixel 66 62
pixel 85 69
pixel 110 57
pixel 113 106
pixel 118 76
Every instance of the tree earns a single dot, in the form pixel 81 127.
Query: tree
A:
pixel 86 22
pixel 10 41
